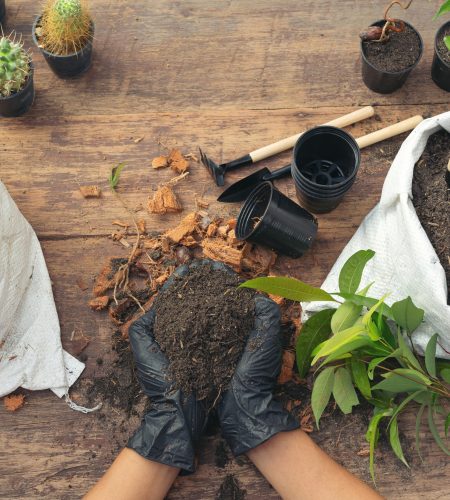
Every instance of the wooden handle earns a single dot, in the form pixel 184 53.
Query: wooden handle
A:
pixel 288 142
pixel 388 132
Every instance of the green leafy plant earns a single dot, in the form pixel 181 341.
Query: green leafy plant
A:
pixel 443 9
pixel 114 175
pixel 65 26
pixel 15 66
pixel 362 344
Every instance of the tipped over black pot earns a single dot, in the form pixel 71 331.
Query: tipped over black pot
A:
pixel 324 166
pixel 440 69
pixel 270 218
pixel 382 81
pixel 20 102
pixel 71 65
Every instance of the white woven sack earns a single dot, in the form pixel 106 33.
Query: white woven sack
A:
pixel 31 355
pixel 405 262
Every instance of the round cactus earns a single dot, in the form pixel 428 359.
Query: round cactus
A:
pixel 65 26
pixel 14 66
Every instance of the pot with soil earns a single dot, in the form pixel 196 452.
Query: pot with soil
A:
pixel 387 63
pixel 64 34
pixel 440 70
pixel 16 78
pixel 2 10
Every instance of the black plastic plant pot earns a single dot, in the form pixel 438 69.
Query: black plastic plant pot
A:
pixel 271 219
pixel 440 70
pixel 385 82
pixel 324 167
pixel 2 10
pixel 19 103
pixel 70 65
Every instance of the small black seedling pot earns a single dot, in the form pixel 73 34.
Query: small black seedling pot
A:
pixel 269 218
pixel 19 103
pixel 70 65
pixel 2 10
pixel 440 70
pixel 385 82
pixel 324 167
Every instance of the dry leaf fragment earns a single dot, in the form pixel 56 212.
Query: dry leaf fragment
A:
pixel 99 303
pixel 160 162
pixel 164 201
pixel 14 402
pixel 218 249
pixel 178 162
pixel 185 227
pixel 90 191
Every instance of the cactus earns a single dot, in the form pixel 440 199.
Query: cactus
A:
pixel 14 66
pixel 65 26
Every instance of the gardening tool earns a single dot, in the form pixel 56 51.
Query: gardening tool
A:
pixel 218 171
pixel 242 188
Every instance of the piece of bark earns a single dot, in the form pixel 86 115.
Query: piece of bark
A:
pixel 164 201
pixel 189 241
pixel 258 259
pixel 231 237
pixel 14 402
pixel 222 231
pixel 211 230
pixel 99 303
pixel 90 191
pixel 186 227
pixel 178 162
pixel 106 279
pixel 202 203
pixel 141 224
pixel 218 249
pixel 160 162
pixel 287 367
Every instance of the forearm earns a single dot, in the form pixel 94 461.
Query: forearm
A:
pixel 298 469
pixel 132 477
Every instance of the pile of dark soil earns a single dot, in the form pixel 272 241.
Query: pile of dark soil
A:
pixel 202 324
pixel 431 196
pixel 442 48
pixel 398 53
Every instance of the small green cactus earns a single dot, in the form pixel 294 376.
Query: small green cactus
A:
pixel 65 26
pixel 14 66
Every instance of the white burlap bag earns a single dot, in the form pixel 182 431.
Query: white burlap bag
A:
pixel 405 262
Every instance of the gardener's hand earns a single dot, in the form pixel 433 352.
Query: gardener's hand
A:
pixel 248 414
pixel 174 422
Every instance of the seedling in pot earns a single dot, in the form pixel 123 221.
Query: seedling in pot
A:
pixel 380 34
pixel 359 343
pixel 445 7
pixel 440 70
pixel 64 33
pixel 16 77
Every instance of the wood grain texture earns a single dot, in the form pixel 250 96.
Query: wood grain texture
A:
pixel 230 76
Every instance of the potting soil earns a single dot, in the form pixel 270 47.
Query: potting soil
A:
pixel 431 196
pixel 202 324
pixel 398 53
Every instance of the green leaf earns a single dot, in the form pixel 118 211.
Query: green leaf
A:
pixel 445 7
pixel 375 362
pixel 351 272
pixel 395 441
pixel 345 316
pixel 383 327
pixel 445 374
pixel 447 41
pixel 368 302
pixel 418 423
pixel 368 316
pixel 314 331
pixel 359 373
pixel 114 176
pixel 435 432
pixel 321 392
pixel 407 315
pixel 339 340
pixel 289 288
pixel 430 355
pixel 406 352
pixel 412 375
pixel 372 437
pixel 397 383
pixel 403 404
pixel 344 351
pixel 343 391
pixel 447 424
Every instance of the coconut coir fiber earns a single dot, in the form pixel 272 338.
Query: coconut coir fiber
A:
pixel 202 324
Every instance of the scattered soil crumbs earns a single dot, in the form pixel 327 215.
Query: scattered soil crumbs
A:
pixel 398 53
pixel 431 196
pixel 230 489
pixel 202 323
pixel 14 402
pixel 442 48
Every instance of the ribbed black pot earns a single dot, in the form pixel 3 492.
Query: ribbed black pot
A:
pixel 324 166
pixel 271 219
pixel 440 70
pixel 386 82
pixel 19 103
pixel 70 65
pixel 2 10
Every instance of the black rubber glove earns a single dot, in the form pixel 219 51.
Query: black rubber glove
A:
pixel 248 414
pixel 174 423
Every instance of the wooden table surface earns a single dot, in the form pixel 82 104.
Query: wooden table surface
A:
pixel 230 76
